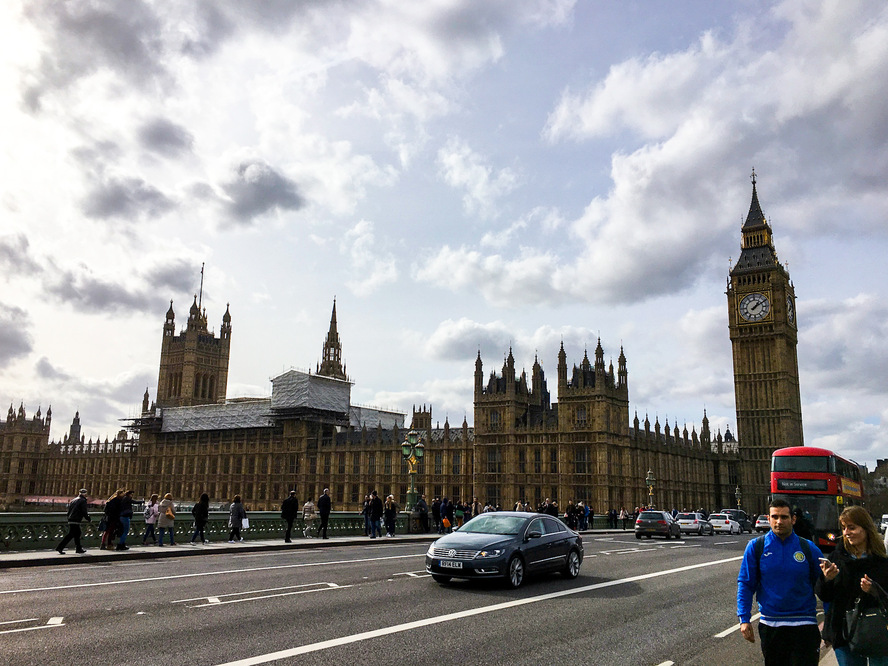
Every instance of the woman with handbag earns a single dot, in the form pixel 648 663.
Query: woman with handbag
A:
pixel 152 513
pixel 236 516
pixel 165 519
pixel 852 576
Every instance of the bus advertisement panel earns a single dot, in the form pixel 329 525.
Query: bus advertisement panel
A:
pixel 820 483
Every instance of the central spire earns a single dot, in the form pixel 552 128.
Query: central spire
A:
pixel 331 364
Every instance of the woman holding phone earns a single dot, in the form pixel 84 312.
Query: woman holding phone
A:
pixel 850 572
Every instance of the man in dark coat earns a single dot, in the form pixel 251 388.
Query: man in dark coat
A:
pixel 375 515
pixel 436 514
pixel 289 511
pixel 77 512
pixel 423 510
pixel 324 507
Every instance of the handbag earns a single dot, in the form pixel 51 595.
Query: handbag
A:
pixel 103 525
pixel 866 629
pixel 169 514
pixel 245 523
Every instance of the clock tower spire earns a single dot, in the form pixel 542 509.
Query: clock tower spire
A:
pixel 764 337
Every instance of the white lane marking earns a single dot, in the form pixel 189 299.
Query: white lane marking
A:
pixel 722 543
pixel 213 601
pixel 415 574
pixel 53 622
pixel 736 627
pixel 408 626
pixel 209 573
pixel 268 589
pixel 695 545
pixel 29 619
pixel 666 663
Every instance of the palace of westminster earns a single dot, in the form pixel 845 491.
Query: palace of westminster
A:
pixel 308 436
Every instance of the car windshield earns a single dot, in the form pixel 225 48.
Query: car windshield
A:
pixel 493 524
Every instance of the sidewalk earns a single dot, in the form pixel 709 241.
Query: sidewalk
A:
pixel 48 557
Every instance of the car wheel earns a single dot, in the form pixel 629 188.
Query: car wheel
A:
pixel 516 571
pixel 638 536
pixel 438 578
pixel 572 567
pixel 668 535
pixel 700 531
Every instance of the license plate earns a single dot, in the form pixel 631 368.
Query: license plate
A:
pixel 446 564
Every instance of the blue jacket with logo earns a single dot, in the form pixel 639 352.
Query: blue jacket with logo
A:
pixel 782 581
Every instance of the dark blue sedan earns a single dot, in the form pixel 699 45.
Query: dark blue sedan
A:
pixel 506 544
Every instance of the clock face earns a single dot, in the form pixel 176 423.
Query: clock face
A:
pixel 755 307
pixel 790 310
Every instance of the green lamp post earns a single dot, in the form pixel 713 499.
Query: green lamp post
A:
pixel 650 481
pixel 412 450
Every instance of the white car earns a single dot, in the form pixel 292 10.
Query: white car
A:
pixel 694 523
pixel 721 522
pixel 762 524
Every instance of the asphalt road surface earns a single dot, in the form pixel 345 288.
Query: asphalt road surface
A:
pixel 648 602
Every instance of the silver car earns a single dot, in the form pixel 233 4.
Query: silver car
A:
pixel 694 523
pixel 660 523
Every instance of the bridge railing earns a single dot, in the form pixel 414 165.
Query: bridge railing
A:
pixel 35 531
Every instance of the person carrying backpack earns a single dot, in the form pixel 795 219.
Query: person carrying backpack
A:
pixel 781 570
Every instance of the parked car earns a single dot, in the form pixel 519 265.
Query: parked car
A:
pixel 883 525
pixel 722 522
pixel 506 544
pixel 762 524
pixel 739 516
pixel 694 523
pixel 660 523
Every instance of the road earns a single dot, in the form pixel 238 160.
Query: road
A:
pixel 634 602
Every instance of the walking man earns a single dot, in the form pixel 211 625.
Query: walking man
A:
pixel 324 506
pixel 289 510
pixel 375 515
pixel 422 508
pixel 77 512
pixel 781 570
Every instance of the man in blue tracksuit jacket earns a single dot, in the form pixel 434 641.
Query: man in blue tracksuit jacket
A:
pixel 782 578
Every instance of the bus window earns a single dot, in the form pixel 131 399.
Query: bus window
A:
pixel 800 464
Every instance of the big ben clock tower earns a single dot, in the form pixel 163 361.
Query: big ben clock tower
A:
pixel 764 336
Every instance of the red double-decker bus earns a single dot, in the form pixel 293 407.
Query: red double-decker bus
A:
pixel 820 483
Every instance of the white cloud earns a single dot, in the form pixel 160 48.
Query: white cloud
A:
pixel 370 267
pixel 464 169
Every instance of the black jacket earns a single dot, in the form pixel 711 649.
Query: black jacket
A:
pixel 201 513
pixel 843 590
pixel 375 508
pixel 77 510
pixel 112 508
pixel 126 507
pixel 324 505
pixel 290 508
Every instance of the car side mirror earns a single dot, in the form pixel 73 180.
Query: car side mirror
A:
pixel 536 534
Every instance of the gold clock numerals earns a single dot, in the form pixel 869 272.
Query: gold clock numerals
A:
pixel 790 310
pixel 755 307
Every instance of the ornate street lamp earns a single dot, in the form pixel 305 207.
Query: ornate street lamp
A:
pixel 650 481
pixel 412 450
pixel 737 496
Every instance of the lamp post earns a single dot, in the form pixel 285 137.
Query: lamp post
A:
pixel 737 496
pixel 412 450
pixel 650 481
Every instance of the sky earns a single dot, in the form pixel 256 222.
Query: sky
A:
pixel 460 176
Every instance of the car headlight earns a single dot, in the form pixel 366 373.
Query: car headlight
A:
pixel 492 552
pixel 431 551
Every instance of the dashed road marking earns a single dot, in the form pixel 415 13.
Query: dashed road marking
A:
pixel 52 622
pixel 736 627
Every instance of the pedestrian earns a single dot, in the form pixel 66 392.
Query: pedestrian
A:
pixel 624 516
pixel 151 513
pixel 459 513
pixel 166 519
pixel 112 520
pixel 858 561
pixel 436 514
pixel 612 516
pixel 422 508
pixel 201 513
pixel 446 516
pixel 289 509
pixel 781 570
pixel 324 507
pixel 126 516
pixel 375 515
pixel 365 511
pixel 77 513
pixel 801 525
pixel 478 508
pixel 309 513
pixel 236 517
pixel 390 512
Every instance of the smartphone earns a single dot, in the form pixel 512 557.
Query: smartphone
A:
pixel 823 559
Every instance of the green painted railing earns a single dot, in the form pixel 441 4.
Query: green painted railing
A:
pixel 36 531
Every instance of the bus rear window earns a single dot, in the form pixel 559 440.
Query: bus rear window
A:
pixel 800 464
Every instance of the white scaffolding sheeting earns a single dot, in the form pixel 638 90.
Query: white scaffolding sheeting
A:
pixel 240 414
pixel 372 418
pixel 295 389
